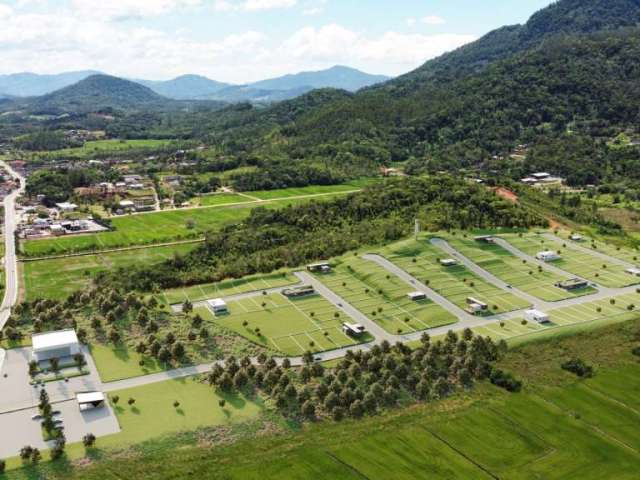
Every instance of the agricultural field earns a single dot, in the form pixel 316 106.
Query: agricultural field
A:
pixel 313 189
pixel 289 326
pixel 229 287
pixel 510 269
pixel 457 283
pixel 148 229
pixel 579 263
pixel 383 297
pixel 59 277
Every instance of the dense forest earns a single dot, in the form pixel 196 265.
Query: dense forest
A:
pixel 271 239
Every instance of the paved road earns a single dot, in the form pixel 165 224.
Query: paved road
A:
pixel 10 255
pixel 589 251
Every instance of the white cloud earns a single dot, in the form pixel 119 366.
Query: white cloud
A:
pixel 311 12
pixel 252 5
pixel 5 10
pixel 113 9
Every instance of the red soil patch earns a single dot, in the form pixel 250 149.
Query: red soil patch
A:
pixel 506 194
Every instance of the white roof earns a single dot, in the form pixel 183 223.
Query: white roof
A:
pixel 217 302
pixel 633 270
pixel 540 174
pixel 126 203
pixel 90 397
pixel 548 253
pixel 46 341
pixel 66 205
pixel 536 313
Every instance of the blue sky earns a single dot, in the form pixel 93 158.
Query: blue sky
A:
pixel 241 40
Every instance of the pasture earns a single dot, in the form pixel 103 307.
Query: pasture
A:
pixel 512 270
pixel 57 278
pixel 456 283
pixel 382 297
pixel 290 326
pixel 579 263
pixel 226 288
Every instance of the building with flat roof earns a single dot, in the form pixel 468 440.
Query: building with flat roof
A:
pixel 90 400
pixel 635 271
pixel 321 267
pixel 416 296
pixel 60 344
pixel 548 256
pixel 353 329
pixel 218 306
pixel 572 284
pixel 66 206
pixel 536 316
pixel 299 291
pixel 448 262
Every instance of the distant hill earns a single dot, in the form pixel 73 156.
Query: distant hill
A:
pixel 32 85
pixel 98 93
pixel 186 87
pixel 341 77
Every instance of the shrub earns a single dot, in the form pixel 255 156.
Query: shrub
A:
pixel 636 351
pixel 505 380
pixel 578 367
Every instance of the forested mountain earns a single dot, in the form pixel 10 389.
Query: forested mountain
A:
pixel 186 87
pixel 339 76
pixel 571 70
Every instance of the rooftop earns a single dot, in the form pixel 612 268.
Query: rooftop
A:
pixel 61 338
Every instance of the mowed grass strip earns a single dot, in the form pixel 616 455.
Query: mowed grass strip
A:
pixel 621 253
pixel 512 270
pixel 382 297
pixel 288 326
pixel 577 262
pixel 220 199
pixel 457 283
pixel 229 287
pixel 58 278
pixel 313 189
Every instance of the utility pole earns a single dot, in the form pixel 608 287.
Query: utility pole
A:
pixel 417 229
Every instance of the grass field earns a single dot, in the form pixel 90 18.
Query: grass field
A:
pixel 457 283
pixel 146 229
pixel 220 199
pixel 117 363
pixel 621 253
pixel 115 145
pixel 288 326
pixel 510 269
pixel 230 287
pixel 383 297
pixel 313 189
pixel 574 261
pixel 58 278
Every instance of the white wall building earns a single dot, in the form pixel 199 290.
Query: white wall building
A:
pixel 548 256
pixel 218 306
pixel 63 343
pixel 536 316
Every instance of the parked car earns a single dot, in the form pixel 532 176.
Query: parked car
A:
pixel 37 416
pixel 56 412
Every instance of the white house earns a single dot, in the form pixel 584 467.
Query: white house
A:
pixel 218 306
pixel 353 329
pixel 127 204
pixel 416 296
pixel 575 237
pixel 548 256
pixel 63 343
pixel 448 262
pixel 633 271
pixel 536 316
pixel 66 206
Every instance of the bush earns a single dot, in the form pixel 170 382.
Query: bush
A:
pixel 578 367
pixel 636 351
pixel 505 380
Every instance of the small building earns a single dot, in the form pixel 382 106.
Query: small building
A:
pixel 548 256
pixel 57 230
pixel 219 306
pixel 353 329
pixel 575 237
pixel 476 306
pixel 485 239
pixel 417 296
pixel 66 207
pixel 635 271
pixel 127 204
pixel 321 267
pixel 448 262
pixel 572 284
pixel 540 176
pixel 90 400
pixel 529 181
pixel 60 344
pixel 299 291
pixel 536 316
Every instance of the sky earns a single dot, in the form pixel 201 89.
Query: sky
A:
pixel 241 41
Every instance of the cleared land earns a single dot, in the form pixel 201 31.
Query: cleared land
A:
pixel 230 287
pixel 507 267
pixel 151 228
pixel 383 297
pixel 457 283
pixel 621 253
pixel 58 278
pixel 220 199
pixel 115 145
pixel 574 261
pixel 312 189
pixel 290 326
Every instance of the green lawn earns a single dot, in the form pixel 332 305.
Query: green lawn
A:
pixel 621 253
pixel 313 189
pixel 229 287
pixel 150 228
pixel 383 297
pixel 288 326
pixel 577 262
pixel 457 283
pixel 113 145
pixel 220 199
pixel 58 278
pixel 512 270
pixel 117 363
pixel 154 415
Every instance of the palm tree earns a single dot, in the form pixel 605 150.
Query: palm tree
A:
pixel 89 440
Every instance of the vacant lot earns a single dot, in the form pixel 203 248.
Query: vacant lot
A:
pixel 383 297
pixel 574 261
pixel 230 287
pixel 99 146
pixel 220 199
pixel 288 326
pixel 58 278
pixel 457 283
pixel 312 189
pixel 507 267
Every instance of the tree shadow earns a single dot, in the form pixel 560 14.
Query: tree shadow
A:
pixel 135 410
pixel 180 412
